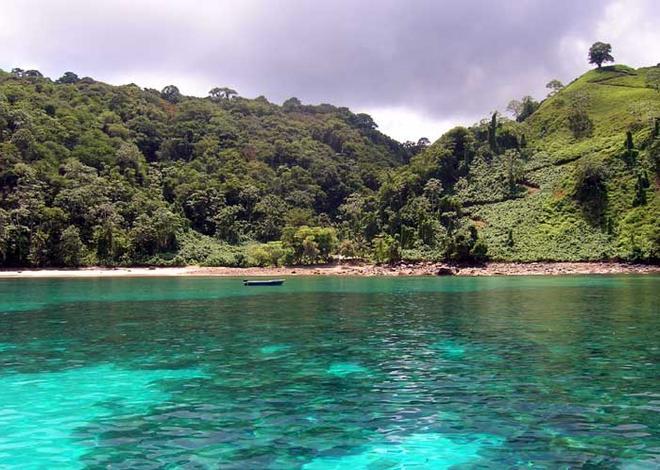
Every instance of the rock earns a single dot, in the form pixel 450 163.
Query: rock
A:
pixel 444 271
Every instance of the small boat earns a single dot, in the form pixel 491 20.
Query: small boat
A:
pixel 263 282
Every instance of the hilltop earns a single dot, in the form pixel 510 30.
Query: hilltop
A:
pixel 97 174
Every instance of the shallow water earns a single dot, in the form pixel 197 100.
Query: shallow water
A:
pixel 325 372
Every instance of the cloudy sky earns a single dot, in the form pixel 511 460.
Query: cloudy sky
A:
pixel 417 66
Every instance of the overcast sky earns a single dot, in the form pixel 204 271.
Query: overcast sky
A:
pixel 417 66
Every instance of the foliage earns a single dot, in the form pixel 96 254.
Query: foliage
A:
pixel 600 52
pixel 309 245
pixel 555 86
pixel 465 245
pixel 579 121
pixel 590 189
pixel 387 249
pixel 139 173
pixel 91 173
pixel 521 110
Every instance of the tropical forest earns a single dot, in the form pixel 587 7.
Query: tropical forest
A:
pixel 96 174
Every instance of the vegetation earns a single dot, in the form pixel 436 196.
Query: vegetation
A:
pixel 524 108
pixel 600 52
pixel 97 174
pixel 554 86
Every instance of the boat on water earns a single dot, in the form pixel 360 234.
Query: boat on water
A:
pixel 263 282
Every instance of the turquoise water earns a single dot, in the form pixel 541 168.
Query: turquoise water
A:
pixel 323 373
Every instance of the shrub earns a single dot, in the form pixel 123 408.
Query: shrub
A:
pixel 386 249
pixel 309 245
pixel 466 246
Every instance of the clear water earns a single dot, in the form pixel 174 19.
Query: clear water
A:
pixel 326 373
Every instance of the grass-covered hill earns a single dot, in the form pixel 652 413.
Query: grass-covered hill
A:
pixel 587 186
pixel 92 173
pixel 576 180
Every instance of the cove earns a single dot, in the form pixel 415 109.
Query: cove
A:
pixel 329 372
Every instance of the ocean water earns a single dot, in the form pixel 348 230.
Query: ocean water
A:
pixel 331 373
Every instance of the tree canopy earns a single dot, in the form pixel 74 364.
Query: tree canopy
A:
pixel 599 53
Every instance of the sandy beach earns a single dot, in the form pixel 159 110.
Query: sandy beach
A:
pixel 336 269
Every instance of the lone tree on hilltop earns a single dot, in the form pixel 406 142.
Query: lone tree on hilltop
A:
pixel 600 52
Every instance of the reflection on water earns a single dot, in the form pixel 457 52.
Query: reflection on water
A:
pixel 331 373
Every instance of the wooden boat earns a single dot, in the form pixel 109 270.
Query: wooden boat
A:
pixel 263 282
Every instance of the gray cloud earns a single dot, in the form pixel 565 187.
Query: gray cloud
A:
pixel 442 59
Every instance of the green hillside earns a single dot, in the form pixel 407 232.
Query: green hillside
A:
pixel 97 174
pixel 619 219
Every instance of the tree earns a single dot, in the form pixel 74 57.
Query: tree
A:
pixel 416 147
pixel 514 169
pixel 387 249
pixel 579 121
pixel 433 191
pixel 590 189
pixel 71 248
pixel 630 146
pixel 32 74
pixel 423 142
pixel 514 107
pixel 131 162
pixel 224 93
pixel 68 77
pixel 641 185
pixel 171 93
pixel 291 104
pixel 364 121
pixel 154 234
pixel 522 109
pixel 39 248
pixel 24 142
pixel 309 245
pixel 529 106
pixel 492 133
pixel 466 246
pixel 600 52
pixel 554 86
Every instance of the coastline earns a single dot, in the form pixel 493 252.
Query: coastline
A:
pixel 343 269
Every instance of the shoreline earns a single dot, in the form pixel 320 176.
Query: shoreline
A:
pixel 346 269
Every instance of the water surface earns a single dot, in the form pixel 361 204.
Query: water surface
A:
pixel 323 372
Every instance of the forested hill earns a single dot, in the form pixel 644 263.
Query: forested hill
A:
pixel 98 174
pixel 93 173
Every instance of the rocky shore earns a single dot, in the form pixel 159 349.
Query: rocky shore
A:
pixel 439 269
pixel 353 269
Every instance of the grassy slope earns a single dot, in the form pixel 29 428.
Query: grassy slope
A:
pixel 546 223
